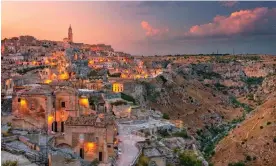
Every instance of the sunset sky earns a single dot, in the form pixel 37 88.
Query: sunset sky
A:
pixel 149 28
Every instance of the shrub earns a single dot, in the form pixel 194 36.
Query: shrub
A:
pixel 268 123
pixel 189 158
pixel 94 162
pixel 166 116
pixel 127 97
pixel 182 134
pixel 9 123
pixel 143 161
pixel 261 127
pixel 250 96
pixel 236 164
pixel 248 158
pixel 253 80
pixel 274 139
pixel 10 163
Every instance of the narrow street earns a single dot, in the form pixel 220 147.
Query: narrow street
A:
pixel 128 140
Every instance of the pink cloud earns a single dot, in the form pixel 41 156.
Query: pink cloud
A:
pixel 228 3
pixel 243 21
pixel 150 31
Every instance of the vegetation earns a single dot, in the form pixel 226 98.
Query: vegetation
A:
pixel 250 96
pixel 248 158
pixel 220 86
pixel 143 161
pixel 208 75
pixel 151 93
pixel 211 136
pixel 10 163
pixel 253 80
pixel 237 164
pixel 127 97
pixel 94 162
pixel 166 116
pixel 274 139
pixel 188 158
pixel 183 133
pixel 236 103
pixel 163 79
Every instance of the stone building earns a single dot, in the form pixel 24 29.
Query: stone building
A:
pixel 91 136
pixel 30 106
pixel 66 114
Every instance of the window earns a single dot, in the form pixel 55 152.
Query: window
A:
pixel 19 99
pixel 63 104
pixel 109 146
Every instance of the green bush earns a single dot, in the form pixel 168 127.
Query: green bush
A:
pixel 248 158
pixel 188 158
pixel 143 161
pixel 250 96
pixel 236 164
pixel 236 103
pixel 253 80
pixel 182 134
pixel 10 163
pixel 166 116
pixel 127 97
pixel 274 139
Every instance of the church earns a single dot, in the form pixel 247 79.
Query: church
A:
pixel 69 39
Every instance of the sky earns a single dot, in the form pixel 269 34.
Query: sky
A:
pixel 149 28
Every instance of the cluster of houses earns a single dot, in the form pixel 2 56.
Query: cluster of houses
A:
pixel 70 91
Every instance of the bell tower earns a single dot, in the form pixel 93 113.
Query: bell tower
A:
pixel 70 34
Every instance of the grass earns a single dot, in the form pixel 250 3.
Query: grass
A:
pixel 10 163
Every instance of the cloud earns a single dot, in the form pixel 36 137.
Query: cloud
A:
pixel 228 3
pixel 237 23
pixel 150 31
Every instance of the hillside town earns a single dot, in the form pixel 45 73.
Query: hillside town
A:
pixel 76 104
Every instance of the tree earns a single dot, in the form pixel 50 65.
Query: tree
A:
pixel 188 158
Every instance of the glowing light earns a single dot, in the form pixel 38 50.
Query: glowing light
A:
pixel 129 110
pixel 63 76
pixel 84 102
pixel 23 102
pixel 47 81
pixel 91 62
pixel 50 118
pixel 90 146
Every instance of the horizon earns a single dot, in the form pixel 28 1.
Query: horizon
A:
pixel 149 28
